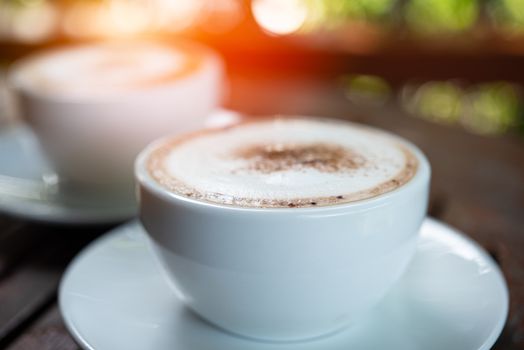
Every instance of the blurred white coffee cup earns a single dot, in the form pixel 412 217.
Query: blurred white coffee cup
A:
pixel 93 107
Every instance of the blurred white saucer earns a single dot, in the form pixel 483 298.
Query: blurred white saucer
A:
pixel 453 296
pixel 28 186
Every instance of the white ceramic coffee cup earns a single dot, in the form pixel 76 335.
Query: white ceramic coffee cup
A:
pixel 92 140
pixel 283 274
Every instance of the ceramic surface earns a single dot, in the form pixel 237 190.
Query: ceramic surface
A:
pixel 452 296
pixel 27 187
pixel 283 273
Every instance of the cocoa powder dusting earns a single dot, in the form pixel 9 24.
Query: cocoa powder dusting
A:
pixel 281 157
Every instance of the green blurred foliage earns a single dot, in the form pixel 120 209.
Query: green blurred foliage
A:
pixel 441 102
pixel 366 89
pixel 490 108
pixel 336 12
pixel 494 108
pixel 508 13
pixel 437 16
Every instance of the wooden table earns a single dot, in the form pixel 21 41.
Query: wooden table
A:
pixel 477 186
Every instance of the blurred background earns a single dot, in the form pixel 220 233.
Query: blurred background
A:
pixel 459 63
pixel 446 74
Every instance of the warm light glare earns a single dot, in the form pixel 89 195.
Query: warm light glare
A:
pixel 120 18
pixel 279 17
pixel 221 16
pixel 176 15
pixel 85 19
pixel 113 18
pixel 127 17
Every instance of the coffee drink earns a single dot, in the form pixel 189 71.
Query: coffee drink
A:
pixel 112 68
pixel 281 163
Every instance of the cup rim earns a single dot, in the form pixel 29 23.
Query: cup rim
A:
pixel 209 59
pixel 144 179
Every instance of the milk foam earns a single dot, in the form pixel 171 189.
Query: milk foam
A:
pixel 104 68
pixel 284 163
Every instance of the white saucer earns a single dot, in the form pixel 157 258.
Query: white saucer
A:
pixel 26 182
pixel 24 192
pixel 453 296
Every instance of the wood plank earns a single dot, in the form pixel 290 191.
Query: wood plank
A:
pixel 33 284
pixel 26 292
pixel 47 333
pixel 17 241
